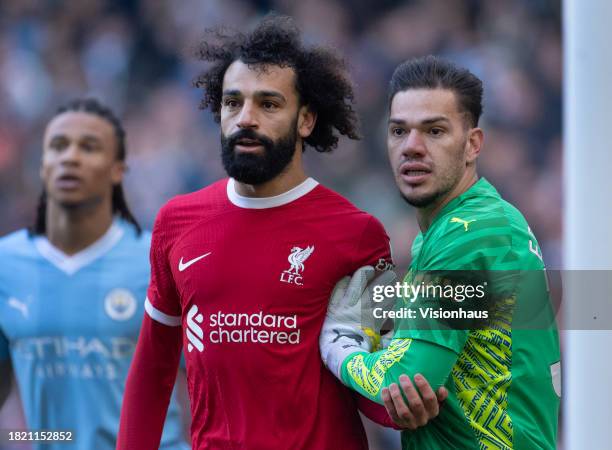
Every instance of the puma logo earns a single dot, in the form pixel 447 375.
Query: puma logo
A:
pixel 19 306
pixel 466 223
pixel 356 337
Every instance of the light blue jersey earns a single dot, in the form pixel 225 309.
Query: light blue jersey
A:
pixel 70 325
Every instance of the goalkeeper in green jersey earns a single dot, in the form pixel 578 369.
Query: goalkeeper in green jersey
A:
pixel 496 353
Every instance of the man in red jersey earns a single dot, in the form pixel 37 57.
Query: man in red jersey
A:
pixel 242 270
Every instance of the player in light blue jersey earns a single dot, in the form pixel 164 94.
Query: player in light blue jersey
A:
pixel 72 288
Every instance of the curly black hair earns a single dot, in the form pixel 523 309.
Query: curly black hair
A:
pixel 322 80
pixel 119 203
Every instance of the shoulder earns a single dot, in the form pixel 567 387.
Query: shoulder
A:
pixel 209 196
pixel 355 233
pixel 133 239
pixel 183 212
pixel 340 210
pixel 17 242
pixel 476 218
pixel 193 206
pixel 484 232
pixel 131 253
pixel 17 253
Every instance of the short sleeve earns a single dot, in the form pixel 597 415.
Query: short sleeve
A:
pixel 162 303
pixel 373 247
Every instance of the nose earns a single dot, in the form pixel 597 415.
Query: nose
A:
pixel 414 145
pixel 71 155
pixel 248 116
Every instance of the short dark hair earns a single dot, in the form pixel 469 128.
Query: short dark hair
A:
pixel 119 204
pixel 322 81
pixel 431 72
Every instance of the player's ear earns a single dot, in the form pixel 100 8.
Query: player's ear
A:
pixel 473 144
pixel 306 121
pixel 117 171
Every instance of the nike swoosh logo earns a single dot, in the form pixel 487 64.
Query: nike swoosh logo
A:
pixel 184 265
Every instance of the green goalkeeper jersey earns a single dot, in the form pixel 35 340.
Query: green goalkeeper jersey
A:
pixel 502 374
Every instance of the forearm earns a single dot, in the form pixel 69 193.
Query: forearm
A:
pixel 368 373
pixel 149 386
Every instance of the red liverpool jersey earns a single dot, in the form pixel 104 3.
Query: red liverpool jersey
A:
pixel 249 280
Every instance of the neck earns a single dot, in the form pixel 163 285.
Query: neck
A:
pixel 427 214
pixel 74 229
pixel 290 177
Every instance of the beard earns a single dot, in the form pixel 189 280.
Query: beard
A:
pixel 445 181
pixel 251 168
pixel 425 200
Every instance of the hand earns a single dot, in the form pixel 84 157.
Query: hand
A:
pixel 420 409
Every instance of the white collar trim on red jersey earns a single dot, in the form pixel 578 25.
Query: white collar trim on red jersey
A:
pixel 71 264
pixel 269 202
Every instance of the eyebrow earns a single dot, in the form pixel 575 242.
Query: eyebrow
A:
pixel 428 121
pixel 58 136
pixel 259 94
pixel 85 137
pixel 90 137
pixel 232 92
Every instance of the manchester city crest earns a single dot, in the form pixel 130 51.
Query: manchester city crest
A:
pixel 120 304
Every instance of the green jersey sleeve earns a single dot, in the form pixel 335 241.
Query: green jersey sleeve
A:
pixel 369 373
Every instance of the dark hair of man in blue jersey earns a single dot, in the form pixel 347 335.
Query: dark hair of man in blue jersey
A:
pixel 431 72
pixel 119 203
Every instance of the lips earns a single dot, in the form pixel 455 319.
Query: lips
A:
pixel 248 142
pixel 414 172
pixel 248 145
pixel 68 181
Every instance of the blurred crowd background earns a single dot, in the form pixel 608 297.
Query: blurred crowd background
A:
pixel 134 55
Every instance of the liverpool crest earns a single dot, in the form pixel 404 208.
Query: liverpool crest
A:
pixel 296 258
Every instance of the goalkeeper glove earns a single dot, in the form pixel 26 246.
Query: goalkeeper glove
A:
pixel 350 324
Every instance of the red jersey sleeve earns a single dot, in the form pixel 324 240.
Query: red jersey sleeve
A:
pixel 149 386
pixel 162 303
pixel 155 363
pixel 373 247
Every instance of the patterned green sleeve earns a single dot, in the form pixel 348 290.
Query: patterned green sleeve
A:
pixel 369 373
